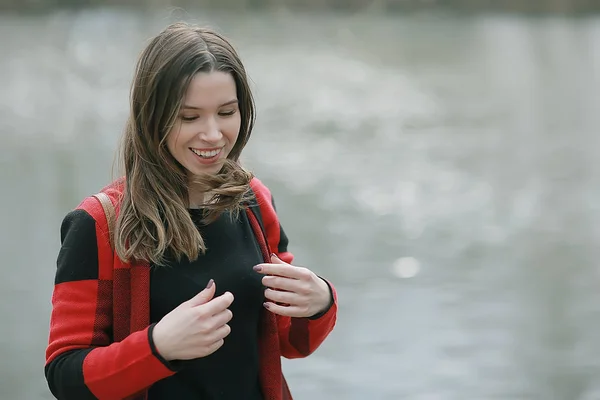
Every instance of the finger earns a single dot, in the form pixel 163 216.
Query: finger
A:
pixel 217 304
pixel 276 260
pixel 286 311
pixel 221 318
pixel 205 295
pixel 222 332
pixel 218 334
pixel 278 296
pixel 282 283
pixel 286 270
pixel 214 346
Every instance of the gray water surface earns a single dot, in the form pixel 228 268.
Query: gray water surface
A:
pixel 443 172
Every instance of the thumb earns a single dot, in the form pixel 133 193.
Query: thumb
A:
pixel 204 296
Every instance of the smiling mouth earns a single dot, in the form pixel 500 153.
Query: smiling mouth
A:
pixel 206 153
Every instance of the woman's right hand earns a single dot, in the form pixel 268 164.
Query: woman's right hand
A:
pixel 196 328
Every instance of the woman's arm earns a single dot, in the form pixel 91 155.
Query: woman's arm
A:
pixel 298 337
pixel 81 361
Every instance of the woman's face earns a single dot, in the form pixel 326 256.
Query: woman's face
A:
pixel 208 123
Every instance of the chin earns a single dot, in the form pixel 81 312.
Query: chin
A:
pixel 209 170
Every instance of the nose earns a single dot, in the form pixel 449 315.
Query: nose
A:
pixel 211 131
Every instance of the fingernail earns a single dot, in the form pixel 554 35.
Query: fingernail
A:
pixel 210 283
pixel 266 305
pixel 274 255
pixel 257 268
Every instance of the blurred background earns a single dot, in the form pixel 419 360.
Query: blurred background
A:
pixel 437 160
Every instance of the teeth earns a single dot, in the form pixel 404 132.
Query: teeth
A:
pixel 206 154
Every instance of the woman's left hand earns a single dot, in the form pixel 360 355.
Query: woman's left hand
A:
pixel 299 292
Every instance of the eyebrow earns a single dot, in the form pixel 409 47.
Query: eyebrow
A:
pixel 222 105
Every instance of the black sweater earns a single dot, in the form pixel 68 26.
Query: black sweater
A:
pixel 232 371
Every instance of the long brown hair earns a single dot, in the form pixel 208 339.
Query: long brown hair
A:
pixel 154 218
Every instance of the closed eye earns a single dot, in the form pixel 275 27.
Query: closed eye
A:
pixel 227 113
pixel 191 118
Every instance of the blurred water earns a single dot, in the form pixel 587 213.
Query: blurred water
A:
pixel 442 171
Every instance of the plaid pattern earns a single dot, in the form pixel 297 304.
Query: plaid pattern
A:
pixel 100 343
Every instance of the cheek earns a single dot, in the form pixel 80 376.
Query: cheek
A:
pixel 174 139
pixel 231 128
pixel 171 141
pixel 180 135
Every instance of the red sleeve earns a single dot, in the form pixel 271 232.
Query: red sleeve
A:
pixel 81 361
pixel 298 337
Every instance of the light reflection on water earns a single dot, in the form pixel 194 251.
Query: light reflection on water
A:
pixel 460 153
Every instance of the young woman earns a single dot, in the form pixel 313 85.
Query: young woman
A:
pixel 190 292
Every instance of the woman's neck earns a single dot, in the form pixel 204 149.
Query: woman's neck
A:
pixel 199 199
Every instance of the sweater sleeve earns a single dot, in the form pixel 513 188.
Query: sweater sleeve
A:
pixel 81 360
pixel 298 337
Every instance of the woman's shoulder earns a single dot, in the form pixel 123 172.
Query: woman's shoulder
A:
pixel 115 190
pixel 264 199
pixel 92 204
pixel 261 191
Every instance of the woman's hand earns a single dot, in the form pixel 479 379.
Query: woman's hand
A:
pixel 196 328
pixel 299 292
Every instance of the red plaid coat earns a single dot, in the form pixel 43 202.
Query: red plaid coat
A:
pixel 102 321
